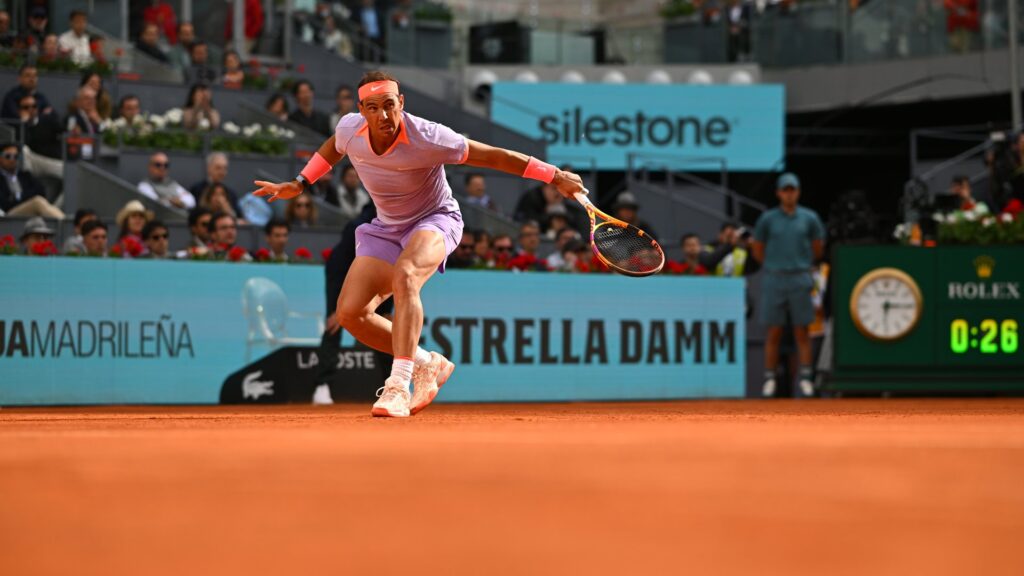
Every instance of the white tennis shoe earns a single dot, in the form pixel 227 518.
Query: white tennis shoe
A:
pixel 807 388
pixel 428 379
pixel 393 400
pixel 768 388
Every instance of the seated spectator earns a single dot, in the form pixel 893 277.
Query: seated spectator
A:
pixel 28 81
pixel 94 239
pixel 277 105
pixel 199 112
pixel 476 192
pixel 335 40
pixel 305 114
pixel 159 185
pixel 156 237
pixel 555 221
pixel 557 261
pixel 729 254
pixel 74 244
pixel 962 24
pixel 97 46
pixel 691 264
pixel 215 199
pixel 345 103
pixel 463 256
pixel 502 251
pixel 301 212
pixel 37 23
pixel 961 187
pixel 529 243
pixel 482 246
pixel 161 14
pixel 130 108
pixel 35 232
pixel 277 240
pixel 131 219
pixel 149 44
pixel 6 36
pixel 43 155
pixel 49 52
pixel 223 235
pixel 349 196
pixel 234 75
pixel 533 205
pixel 83 117
pixel 180 53
pixel 104 106
pixel 200 71
pixel 626 209
pixel 217 173
pixel 75 42
pixel 199 226
pixel 20 193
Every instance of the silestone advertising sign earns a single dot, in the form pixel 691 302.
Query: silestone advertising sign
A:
pixel 699 126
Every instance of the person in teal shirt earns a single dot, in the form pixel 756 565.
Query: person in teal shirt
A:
pixel 788 240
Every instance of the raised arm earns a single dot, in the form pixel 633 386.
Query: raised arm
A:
pixel 485 156
pixel 321 163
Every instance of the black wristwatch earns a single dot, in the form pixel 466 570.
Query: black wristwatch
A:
pixel 303 182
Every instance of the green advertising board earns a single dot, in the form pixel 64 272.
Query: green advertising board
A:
pixel 928 320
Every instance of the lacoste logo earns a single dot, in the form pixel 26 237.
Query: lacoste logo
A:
pixel 253 388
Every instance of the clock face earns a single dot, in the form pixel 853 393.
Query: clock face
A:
pixel 886 304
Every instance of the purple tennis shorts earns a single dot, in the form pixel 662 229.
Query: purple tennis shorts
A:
pixel 386 243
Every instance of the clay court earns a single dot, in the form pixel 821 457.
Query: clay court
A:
pixel 742 487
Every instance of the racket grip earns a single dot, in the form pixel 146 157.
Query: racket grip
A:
pixel 581 197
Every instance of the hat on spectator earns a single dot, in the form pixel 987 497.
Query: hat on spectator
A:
pixel 788 180
pixel 36 225
pixel 625 200
pixel 132 207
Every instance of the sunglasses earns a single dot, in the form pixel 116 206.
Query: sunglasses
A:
pixel 28 106
pixel 502 248
pixel 465 247
pixel 158 237
pixel 10 156
pixel 160 164
pixel 303 205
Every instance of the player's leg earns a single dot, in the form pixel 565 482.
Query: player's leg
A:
pixel 424 253
pixel 367 284
pixel 772 315
pixel 802 307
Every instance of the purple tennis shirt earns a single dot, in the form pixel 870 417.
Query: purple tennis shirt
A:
pixel 407 182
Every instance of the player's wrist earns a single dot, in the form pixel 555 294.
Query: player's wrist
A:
pixel 539 170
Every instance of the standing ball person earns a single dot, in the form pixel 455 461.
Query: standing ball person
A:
pixel 400 159
pixel 788 240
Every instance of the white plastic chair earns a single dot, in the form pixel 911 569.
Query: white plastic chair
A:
pixel 265 307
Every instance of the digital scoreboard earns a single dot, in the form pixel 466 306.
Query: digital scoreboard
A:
pixel 944 319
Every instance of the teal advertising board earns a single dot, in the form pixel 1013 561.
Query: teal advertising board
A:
pixel 80 331
pixel 744 126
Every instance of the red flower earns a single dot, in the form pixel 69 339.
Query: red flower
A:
pixel 44 248
pixel 116 251
pixel 7 241
pixel 325 254
pixel 1013 207
pixel 684 268
pixel 597 265
pixel 303 253
pixel 262 255
pixel 236 254
pixel 967 206
pixel 254 64
pixel 132 246
pixel 528 262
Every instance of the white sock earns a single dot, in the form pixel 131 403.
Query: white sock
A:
pixel 401 370
pixel 421 357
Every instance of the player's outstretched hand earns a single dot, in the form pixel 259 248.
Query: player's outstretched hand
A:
pixel 283 191
pixel 568 183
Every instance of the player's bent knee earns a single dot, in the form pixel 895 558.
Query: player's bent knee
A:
pixel 405 281
pixel 352 316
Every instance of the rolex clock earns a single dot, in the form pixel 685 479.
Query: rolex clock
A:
pixel 886 304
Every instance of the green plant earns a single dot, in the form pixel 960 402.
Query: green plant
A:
pixel 432 11
pixel 976 226
pixel 677 9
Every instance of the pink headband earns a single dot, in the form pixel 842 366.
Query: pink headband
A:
pixel 378 87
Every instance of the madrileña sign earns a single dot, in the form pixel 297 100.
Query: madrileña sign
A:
pixel 742 126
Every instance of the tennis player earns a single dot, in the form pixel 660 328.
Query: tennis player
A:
pixel 400 159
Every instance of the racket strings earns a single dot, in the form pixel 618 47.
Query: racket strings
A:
pixel 627 249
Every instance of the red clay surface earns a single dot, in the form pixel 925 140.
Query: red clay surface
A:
pixel 812 487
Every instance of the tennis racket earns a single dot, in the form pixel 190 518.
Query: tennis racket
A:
pixel 622 247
